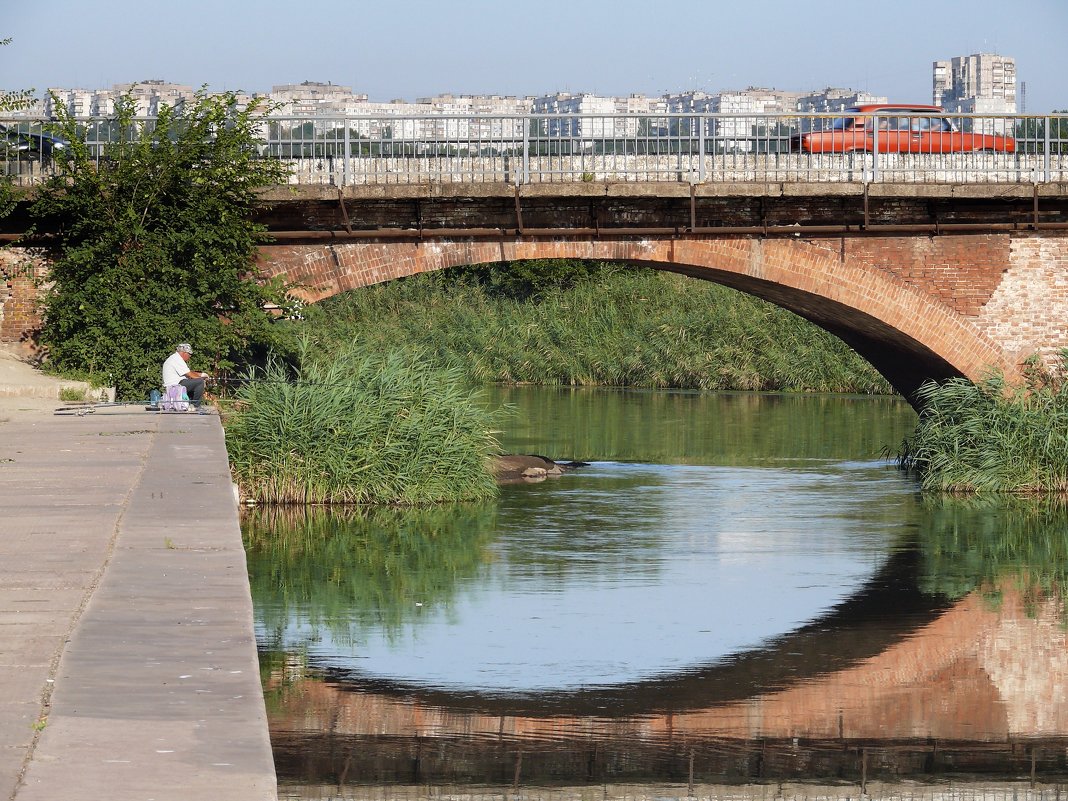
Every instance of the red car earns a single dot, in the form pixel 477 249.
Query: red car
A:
pixel 898 129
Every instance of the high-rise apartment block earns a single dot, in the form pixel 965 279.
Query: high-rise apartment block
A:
pixel 312 98
pixel 147 96
pixel 594 118
pixel 982 83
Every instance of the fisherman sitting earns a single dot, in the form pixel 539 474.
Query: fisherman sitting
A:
pixel 176 373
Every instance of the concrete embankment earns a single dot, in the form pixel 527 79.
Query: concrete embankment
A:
pixel 127 653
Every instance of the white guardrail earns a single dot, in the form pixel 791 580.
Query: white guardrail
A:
pixel 562 148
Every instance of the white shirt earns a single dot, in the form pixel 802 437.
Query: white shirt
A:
pixel 174 370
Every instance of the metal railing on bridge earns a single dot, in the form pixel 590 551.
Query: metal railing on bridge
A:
pixel 562 148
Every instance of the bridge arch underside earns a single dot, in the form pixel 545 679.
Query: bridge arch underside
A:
pixel 908 332
pixel 902 359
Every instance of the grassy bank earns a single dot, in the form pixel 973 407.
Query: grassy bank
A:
pixel 987 438
pixel 367 427
pixel 607 326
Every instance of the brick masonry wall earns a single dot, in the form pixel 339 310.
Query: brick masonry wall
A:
pixel 1028 311
pixel 962 272
pixel 1014 287
pixel 21 275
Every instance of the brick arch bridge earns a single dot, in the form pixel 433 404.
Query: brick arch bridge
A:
pixel 916 307
pixel 926 281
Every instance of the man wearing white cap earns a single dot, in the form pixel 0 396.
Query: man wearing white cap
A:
pixel 176 372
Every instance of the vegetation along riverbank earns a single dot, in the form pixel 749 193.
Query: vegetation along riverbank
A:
pixel 592 323
pixel 988 437
pixel 367 427
pixel 381 405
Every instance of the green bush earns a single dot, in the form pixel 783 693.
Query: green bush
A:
pixel 72 394
pixel 368 427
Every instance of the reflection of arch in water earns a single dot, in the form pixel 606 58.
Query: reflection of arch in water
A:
pixel 856 629
pixel 978 689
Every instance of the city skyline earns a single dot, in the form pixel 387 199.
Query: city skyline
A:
pixel 484 48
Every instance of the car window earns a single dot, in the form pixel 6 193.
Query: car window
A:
pixel 888 123
pixel 845 123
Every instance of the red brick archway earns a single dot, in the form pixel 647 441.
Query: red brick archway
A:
pixel 913 306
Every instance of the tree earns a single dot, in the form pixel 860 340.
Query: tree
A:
pixel 157 244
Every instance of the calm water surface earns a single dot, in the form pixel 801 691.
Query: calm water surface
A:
pixel 736 587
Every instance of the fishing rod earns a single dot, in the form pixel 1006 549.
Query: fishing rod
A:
pixel 154 402
pixel 84 409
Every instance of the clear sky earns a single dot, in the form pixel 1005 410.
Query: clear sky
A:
pixel 418 48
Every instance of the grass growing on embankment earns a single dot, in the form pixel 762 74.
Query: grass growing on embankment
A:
pixel 987 437
pixel 612 327
pixel 367 427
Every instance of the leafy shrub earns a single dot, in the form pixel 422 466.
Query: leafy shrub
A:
pixel 156 244
pixel 70 394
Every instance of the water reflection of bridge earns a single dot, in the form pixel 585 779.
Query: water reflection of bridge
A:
pixel 977 687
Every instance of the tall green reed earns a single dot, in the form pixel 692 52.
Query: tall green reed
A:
pixel 365 427
pixel 615 328
pixel 988 437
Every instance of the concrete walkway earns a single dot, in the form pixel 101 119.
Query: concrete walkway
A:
pixel 127 655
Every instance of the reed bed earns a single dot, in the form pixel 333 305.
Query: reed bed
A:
pixel 367 427
pixel 986 437
pixel 618 327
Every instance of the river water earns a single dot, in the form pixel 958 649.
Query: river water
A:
pixel 736 588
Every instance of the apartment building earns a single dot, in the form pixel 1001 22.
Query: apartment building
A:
pixel 982 83
pixel 148 97
pixel 491 117
pixel 590 117
pixel 835 100
pixel 986 77
pixel 741 110
pixel 312 98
